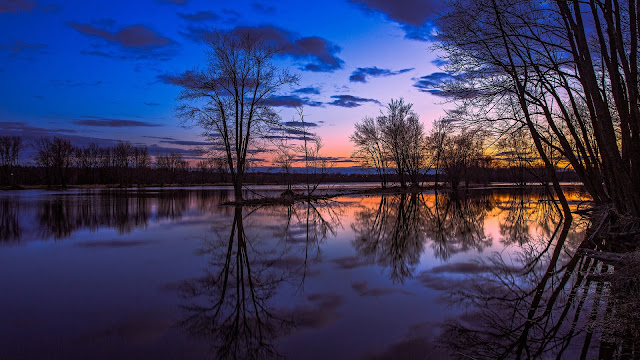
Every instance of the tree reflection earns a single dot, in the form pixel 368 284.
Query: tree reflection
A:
pixel 548 303
pixel 59 216
pixel 523 209
pixel 232 307
pixel 392 235
pixel 233 312
pixel 456 224
pixel 9 221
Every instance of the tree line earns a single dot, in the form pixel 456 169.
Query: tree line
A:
pixel 58 162
pixel 396 145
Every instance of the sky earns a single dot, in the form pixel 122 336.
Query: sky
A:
pixel 99 71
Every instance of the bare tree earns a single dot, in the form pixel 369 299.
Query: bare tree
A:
pixel 459 154
pixel 228 98
pixel 140 160
pixel 10 147
pixel 403 135
pixel 435 144
pixel 568 72
pixel 122 154
pixel 370 150
pixel 56 156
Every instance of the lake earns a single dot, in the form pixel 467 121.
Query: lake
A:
pixel 170 273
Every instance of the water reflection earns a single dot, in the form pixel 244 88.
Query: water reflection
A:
pixel 233 306
pixel 9 221
pixel 457 224
pixel 551 300
pixel 59 216
pixel 234 313
pixel 275 270
pixel 392 234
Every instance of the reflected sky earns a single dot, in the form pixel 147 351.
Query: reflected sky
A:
pixel 171 273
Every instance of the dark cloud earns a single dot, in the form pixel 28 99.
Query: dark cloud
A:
pixel 20 47
pixel 15 126
pixel 290 101
pixel 362 288
pixel 431 83
pixel 360 74
pixel 299 124
pixel 308 90
pixel 31 133
pixel 134 36
pixel 415 16
pixel 439 62
pixel 200 16
pixel 315 53
pixel 350 101
pixel 152 103
pixel 104 122
pixel 16 6
pixel 263 8
pixel 159 137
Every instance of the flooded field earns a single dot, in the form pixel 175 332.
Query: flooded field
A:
pixel 170 273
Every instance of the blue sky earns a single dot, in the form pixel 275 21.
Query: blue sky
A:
pixel 97 70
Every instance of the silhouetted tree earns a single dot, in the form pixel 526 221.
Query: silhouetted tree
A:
pixel 10 147
pixel 403 134
pixel 228 98
pixel 56 156
pixel 369 148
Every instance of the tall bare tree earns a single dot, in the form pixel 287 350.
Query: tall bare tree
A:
pixel 228 98
pixel 568 72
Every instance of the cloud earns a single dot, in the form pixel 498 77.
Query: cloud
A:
pixel 299 124
pixel 134 36
pixel 16 6
pixel 350 101
pixel 430 83
pixel 6 126
pixel 200 16
pixel 315 53
pixel 149 103
pixel 415 16
pixel 116 123
pixel 20 47
pixel 308 90
pixel 360 74
pixel 291 101
pixel 439 62
pixel 263 8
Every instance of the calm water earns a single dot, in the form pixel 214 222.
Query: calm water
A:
pixel 167 274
